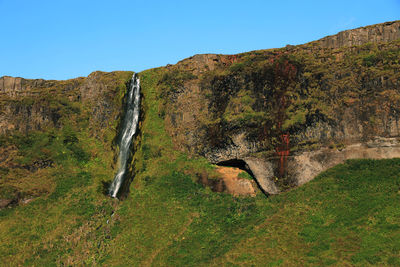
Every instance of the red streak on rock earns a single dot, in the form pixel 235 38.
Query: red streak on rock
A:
pixel 283 153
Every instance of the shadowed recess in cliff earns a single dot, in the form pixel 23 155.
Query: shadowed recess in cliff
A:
pixel 129 127
pixel 241 164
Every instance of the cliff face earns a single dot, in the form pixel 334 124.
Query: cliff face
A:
pixel 271 108
pixel 385 32
pixel 288 113
pixel 28 105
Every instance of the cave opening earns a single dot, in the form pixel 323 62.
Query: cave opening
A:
pixel 237 163
pixel 241 164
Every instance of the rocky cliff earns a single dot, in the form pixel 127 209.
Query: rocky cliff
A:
pixel 384 32
pixel 290 113
pixel 28 105
pixel 283 114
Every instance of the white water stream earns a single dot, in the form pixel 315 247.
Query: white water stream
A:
pixel 129 128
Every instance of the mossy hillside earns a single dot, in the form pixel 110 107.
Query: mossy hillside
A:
pixel 72 199
pixel 72 118
pixel 346 216
pixel 65 198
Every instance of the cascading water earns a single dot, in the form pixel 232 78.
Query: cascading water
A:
pixel 128 131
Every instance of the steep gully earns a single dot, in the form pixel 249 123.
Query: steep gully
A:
pixel 129 128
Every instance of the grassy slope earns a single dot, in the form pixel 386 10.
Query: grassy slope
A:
pixel 347 216
pixel 55 227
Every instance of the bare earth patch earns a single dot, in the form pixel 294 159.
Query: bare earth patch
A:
pixel 236 185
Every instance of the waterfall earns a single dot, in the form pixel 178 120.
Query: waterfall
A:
pixel 129 127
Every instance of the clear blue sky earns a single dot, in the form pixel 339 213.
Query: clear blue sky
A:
pixel 61 39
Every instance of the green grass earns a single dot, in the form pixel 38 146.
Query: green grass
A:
pixel 67 201
pixel 348 215
pixel 245 175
